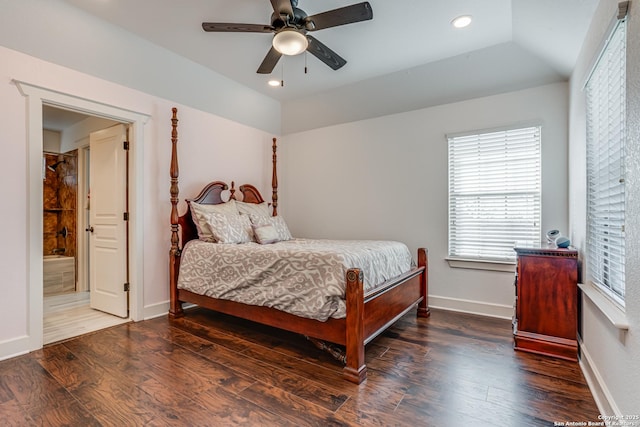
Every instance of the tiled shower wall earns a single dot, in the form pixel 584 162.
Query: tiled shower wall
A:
pixel 60 190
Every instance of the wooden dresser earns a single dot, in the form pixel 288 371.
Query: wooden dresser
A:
pixel 546 307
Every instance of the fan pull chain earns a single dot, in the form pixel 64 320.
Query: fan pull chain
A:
pixel 305 62
pixel 282 75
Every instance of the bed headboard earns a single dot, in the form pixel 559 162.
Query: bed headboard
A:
pixel 211 194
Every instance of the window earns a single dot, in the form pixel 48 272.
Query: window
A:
pixel 606 133
pixel 494 193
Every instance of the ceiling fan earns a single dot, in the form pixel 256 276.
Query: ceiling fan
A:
pixel 290 26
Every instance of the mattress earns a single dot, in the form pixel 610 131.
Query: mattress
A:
pixel 303 277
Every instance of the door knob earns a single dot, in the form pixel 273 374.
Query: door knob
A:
pixel 90 229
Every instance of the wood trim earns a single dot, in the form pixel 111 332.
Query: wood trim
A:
pixel 211 194
pixel 546 345
pixel 542 251
pixel 250 194
pixel 331 330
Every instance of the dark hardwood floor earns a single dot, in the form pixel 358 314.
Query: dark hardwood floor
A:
pixel 212 370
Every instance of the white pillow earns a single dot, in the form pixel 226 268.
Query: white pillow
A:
pixel 199 214
pixel 230 228
pixel 265 233
pixel 255 209
pixel 276 222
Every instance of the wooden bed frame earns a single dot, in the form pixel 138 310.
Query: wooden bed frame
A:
pixel 368 313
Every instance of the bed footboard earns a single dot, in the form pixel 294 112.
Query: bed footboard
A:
pixel 368 315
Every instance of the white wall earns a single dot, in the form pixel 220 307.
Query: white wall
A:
pixel 51 141
pixel 387 178
pixel 611 357
pixel 501 68
pixel 76 136
pixel 210 148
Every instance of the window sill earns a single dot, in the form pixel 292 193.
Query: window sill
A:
pixel 474 264
pixel 611 311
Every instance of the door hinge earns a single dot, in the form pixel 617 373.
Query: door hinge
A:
pixel 126 287
pixel 125 216
pixel 125 145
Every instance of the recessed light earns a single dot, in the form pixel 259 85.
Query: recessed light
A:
pixel 461 21
pixel 274 83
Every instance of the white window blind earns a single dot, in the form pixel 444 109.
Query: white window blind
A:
pixel 606 122
pixel 494 193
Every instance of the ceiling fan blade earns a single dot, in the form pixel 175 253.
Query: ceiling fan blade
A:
pixel 344 15
pixel 222 27
pixel 269 62
pixel 324 54
pixel 282 7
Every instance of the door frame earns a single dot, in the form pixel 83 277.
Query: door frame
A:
pixel 82 281
pixel 37 96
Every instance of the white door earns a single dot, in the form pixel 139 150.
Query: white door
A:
pixel 107 224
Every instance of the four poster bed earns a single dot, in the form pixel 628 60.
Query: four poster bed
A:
pixel 351 310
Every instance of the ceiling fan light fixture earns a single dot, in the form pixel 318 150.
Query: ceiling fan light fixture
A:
pixel 290 41
pixel 461 21
pixel 274 83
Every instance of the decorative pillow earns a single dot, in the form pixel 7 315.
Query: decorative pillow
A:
pixel 265 233
pixel 230 228
pixel 199 215
pixel 276 222
pixel 255 209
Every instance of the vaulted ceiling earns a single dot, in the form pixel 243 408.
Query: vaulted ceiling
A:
pixel 403 35
pixel 407 57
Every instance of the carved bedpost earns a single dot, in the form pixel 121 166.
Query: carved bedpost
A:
pixel 175 308
pixel 274 179
pixel 355 369
pixel 174 190
pixel 423 261
pixel 232 191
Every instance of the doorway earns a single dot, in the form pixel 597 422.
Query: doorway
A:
pixel 36 97
pixel 71 306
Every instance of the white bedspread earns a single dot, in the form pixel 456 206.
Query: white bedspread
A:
pixel 303 277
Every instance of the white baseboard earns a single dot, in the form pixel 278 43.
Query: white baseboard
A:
pixel 156 310
pixel 500 311
pixel 601 394
pixel 161 309
pixel 14 347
